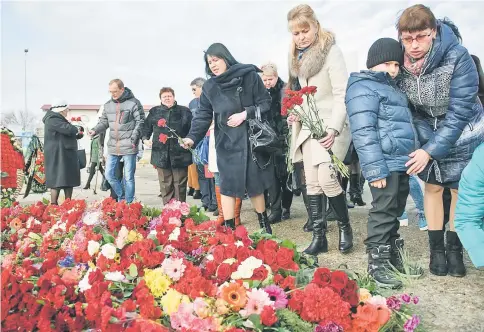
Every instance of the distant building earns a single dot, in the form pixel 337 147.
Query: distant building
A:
pixel 88 115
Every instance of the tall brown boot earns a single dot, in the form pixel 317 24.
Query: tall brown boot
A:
pixel 220 219
pixel 238 207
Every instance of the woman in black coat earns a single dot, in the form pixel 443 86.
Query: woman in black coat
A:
pixel 60 152
pixel 230 97
pixel 169 158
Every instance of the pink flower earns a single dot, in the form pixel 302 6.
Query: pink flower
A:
pixel 175 221
pixel 277 295
pixel 173 268
pixel 257 299
pixel 185 209
pixel 406 298
pixel 183 318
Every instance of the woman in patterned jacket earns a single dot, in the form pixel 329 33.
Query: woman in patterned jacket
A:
pixel 441 82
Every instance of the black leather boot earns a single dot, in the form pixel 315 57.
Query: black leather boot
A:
pixel 308 226
pixel 379 267
pixel 190 191
pixel 264 222
pixel 438 261
pixel 355 192
pixel 455 258
pixel 396 257
pixel 229 223
pixel 319 244
pixel 345 231
pixel 275 216
pixel 286 214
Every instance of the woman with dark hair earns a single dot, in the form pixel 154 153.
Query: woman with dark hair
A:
pixel 441 82
pixel 232 95
pixel 61 162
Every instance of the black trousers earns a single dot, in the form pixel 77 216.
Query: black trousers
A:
pixel 388 204
pixel 280 197
pixel 207 188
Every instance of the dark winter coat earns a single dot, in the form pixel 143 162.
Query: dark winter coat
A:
pixel 124 116
pixel 60 152
pixel 279 123
pixel 219 100
pixel 381 124
pixel 170 154
pixel 447 113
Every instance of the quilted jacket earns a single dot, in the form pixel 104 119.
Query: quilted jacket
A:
pixel 381 124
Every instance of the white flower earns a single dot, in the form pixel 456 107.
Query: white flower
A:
pixel 92 218
pixel 153 232
pixel 115 276
pixel 239 244
pixel 84 283
pixel 230 261
pixel 122 236
pixel 108 250
pixel 246 268
pixel 174 235
pixel 209 257
pixel 93 247
pixel 378 300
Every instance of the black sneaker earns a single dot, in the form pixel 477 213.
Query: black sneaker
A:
pixel 190 192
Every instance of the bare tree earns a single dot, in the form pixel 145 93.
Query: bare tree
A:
pixel 23 118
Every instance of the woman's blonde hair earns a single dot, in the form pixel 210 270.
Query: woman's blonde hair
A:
pixel 303 16
pixel 269 69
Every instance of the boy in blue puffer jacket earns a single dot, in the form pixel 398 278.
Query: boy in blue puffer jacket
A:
pixel 383 135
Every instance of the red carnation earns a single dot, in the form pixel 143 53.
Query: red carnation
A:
pixel 162 122
pixel 163 138
pixel 268 316
pixel 284 258
pixel 223 272
pixel 78 118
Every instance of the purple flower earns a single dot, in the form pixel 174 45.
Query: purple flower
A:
pixel 415 300
pixel 406 298
pixel 197 252
pixel 277 295
pixel 394 303
pixel 329 327
pixel 411 324
pixel 155 222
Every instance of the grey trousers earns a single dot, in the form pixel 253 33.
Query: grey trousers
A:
pixel 173 183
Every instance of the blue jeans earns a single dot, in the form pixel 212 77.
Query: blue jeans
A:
pixel 418 199
pixel 128 176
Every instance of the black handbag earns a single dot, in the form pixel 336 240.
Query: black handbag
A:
pixel 81 156
pixel 262 138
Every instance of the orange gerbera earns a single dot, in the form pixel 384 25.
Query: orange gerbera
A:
pixel 235 295
pixel 16 223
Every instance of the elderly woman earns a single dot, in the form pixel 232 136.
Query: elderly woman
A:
pixel 169 158
pixel 316 60
pixel 60 152
pixel 441 82
pixel 231 97
pixel 279 195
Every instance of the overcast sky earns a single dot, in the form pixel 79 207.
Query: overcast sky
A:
pixel 76 47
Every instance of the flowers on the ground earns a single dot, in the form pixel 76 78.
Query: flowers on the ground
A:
pixel 111 266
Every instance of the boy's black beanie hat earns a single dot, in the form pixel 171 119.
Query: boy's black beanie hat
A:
pixel 384 50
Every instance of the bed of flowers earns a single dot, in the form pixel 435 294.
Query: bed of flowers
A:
pixel 109 266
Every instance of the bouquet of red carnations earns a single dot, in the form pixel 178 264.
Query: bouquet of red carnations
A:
pixel 293 103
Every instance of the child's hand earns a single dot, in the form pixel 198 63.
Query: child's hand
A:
pixel 418 160
pixel 380 184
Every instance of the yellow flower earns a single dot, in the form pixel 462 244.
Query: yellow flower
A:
pixel 172 300
pixel 134 236
pixel 157 281
pixel 365 295
pixel 117 258
pixel 222 307
pixel 91 265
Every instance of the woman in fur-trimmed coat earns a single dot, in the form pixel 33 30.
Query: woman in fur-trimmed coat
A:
pixel 316 60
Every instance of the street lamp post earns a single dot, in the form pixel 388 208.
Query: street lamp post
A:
pixel 25 93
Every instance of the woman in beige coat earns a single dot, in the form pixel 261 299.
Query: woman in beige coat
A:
pixel 315 60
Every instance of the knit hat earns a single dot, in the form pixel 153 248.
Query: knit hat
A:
pixel 59 106
pixel 384 50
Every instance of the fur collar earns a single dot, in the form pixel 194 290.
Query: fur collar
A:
pixel 312 60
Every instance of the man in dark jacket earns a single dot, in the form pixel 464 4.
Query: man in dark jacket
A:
pixel 124 116
pixel 280 197
pixel 169 158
